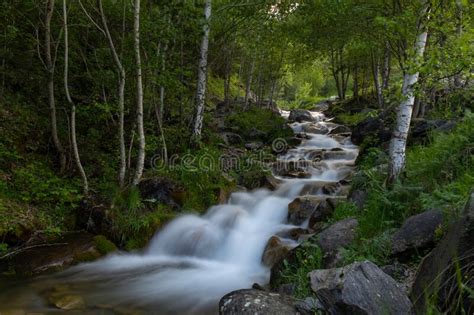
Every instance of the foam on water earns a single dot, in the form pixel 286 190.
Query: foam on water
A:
pixel 195 260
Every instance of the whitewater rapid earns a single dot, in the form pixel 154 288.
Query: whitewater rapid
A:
pixel 195 260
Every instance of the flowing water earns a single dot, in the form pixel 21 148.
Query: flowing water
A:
pixel 195 260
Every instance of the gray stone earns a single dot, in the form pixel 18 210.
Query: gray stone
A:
pixel 301 208
pixel 300 115
pixel 275 250
pixel 359 288
pixel 450 260
pixel 253 146
pixel 251 302
pixel 417 232
pixel 340 129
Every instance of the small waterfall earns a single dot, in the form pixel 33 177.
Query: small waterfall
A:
pixel 195 260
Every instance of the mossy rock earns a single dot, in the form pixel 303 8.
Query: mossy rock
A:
pixel 103 245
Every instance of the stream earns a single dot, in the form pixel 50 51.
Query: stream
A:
pixel 195 260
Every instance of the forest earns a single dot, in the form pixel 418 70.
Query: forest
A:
pixel 236 157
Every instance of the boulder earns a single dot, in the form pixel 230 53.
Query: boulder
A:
pixel 340 129
pixel 337 236
pixel 231 138
pixel 300 115
pixel 421 128
pixel 417 232
pixel 254 146
pixel 315 128
pixel 251 302
pixel 323 210
pixel 359 288
pixel 257 134
pixel 301 208
pixel 275 250
pixel 378 129
pixel 161 190
pixel 295 233
pixel 358 197
pixel 322 105
pixel 448 269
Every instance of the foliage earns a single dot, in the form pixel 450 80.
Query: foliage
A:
pixel 308 258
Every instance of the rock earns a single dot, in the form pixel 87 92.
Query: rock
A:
pixel 293 233
pixel 275 250
pixel 337 236
pixel 450 260
pixel 161 190
pixel 340 129
pixel 300 115
pixel 403 274
pixel 417 232
pixel 231 138
pixel 323 210
pixel 322 105
pixel 291 258
pixel 253 146
pixel 309 305
pixel 359 288
pixel 256 134
pixel 60 253
pixel 270 182
pixel 293 141
pixel 301 208
pixel 251 302
pixel 358 197
pixel 68 302
pixel 377 129
pixel 318 129
pixel 421 128
pixel 92 216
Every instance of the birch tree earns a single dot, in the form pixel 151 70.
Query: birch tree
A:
pixel 405 110
pixel 202 76
pixel 50 64
pixel 75 148
pixel 138 65
pixel 121 86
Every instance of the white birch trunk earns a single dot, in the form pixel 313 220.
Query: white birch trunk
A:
pixel 202 76
pixel 405 110
pixel 74 146
pixel 50 68
pixel 138 64
pixel 121 95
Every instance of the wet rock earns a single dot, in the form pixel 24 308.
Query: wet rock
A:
pixel 68 302
pixel 161 190
pixel 290 169
pixel 318 129
pixel 270 182
pixel 293 233
pixel 323 210
pixel 275 250
pixel 322 105
pixel 276 272
pixel 359 288
pixel 300 115
pixel 450 260
pixel 293 141
pixel 417 232
pixel 301 208
pixel 231 138
pixel 340 129
pixel 251 302
pixel 61 252
pixel 253 146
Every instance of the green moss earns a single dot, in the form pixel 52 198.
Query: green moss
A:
pixel 103 245
pixel 86 256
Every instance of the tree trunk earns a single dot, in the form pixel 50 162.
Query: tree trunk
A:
pixel 386 68
pixel 202 77
pixel 355 82
pixel 459 16
pixel 248 85
pixel 74 145
pixel 50 67
pixel 121 95
pixel 138 65
pixel 405 110
pixel 377 85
